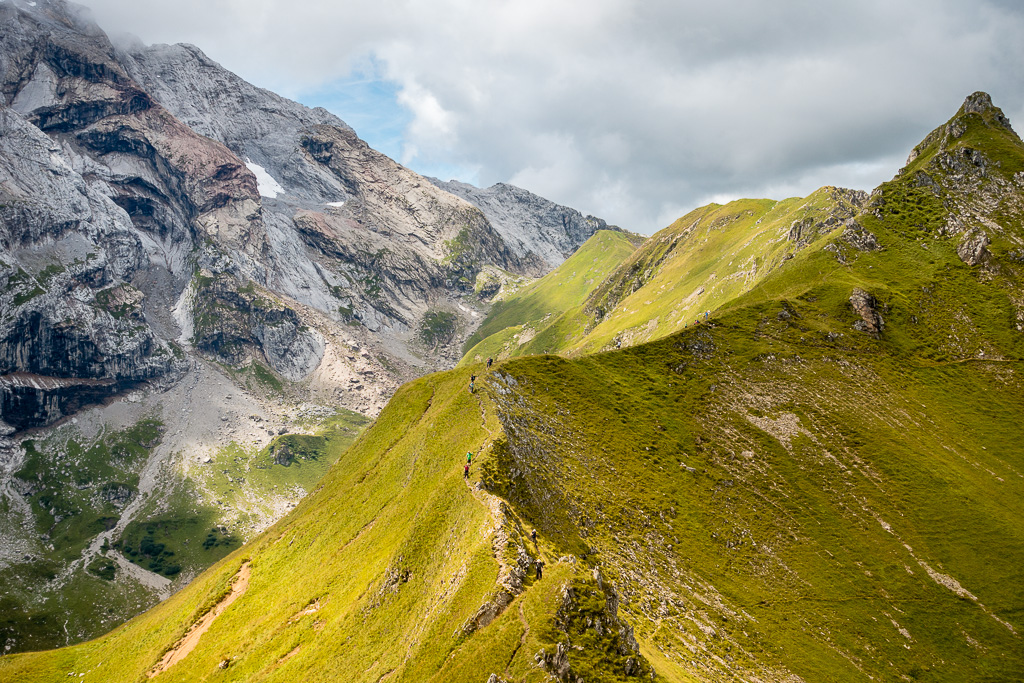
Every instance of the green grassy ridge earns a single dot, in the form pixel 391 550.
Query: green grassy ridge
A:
pixel 700 263
pixel 787 537
pixel 712 256
pixel 556 292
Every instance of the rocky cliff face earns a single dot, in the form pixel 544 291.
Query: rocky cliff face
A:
pixel 72 329
pixel 539 231
pixel 215 212
pixel 365 241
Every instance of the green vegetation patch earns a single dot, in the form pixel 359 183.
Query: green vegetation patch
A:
pixel 103 567
pixel 25 297
pixel 77 490
pixel 438 328
pixel 160 544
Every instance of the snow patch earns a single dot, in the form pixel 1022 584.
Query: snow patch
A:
pixel 182 313
pixel 265 183
pixel 337 204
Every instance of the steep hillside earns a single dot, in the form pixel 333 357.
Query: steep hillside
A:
pixel 699 263
pixel 824 482
pixel 773 495
pixel 519 312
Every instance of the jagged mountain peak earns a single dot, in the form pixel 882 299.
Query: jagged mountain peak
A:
pixel 981 103
pixel 977 109
pixel 964 179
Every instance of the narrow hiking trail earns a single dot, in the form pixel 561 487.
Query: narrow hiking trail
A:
pixel 239 584
pixel 522 638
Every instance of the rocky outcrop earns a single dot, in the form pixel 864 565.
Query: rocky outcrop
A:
pixel 956 184
pixel 853 239
pixel 864 305
pixel 588 611
pixel 973 249
pixel 539 231
pixel 237 323
pixel 843 205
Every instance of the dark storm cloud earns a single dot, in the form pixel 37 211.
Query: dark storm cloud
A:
pixel 635 111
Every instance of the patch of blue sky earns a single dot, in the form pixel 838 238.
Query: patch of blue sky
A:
pixel 368 104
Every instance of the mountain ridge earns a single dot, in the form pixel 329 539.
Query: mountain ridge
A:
pixel 821 482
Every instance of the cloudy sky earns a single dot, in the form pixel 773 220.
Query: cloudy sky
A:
pixel 633 110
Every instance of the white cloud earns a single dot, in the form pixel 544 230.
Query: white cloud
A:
pixel 630 110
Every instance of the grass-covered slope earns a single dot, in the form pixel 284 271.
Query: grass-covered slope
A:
pixel 534 305
pixel 702 261
pixel 833 509
pixel 824 482
pixel 376 572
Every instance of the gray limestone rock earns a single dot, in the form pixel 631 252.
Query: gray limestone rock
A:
pixel 858 237
pixel 538 230
pixel 973 249
pixel 71 329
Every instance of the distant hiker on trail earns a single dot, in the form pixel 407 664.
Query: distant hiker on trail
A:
pixel 533 535
pixel 540 568
pixel 472 384
pixel 465 472
pixel 469 456
pixel 706 314
pixel 489 361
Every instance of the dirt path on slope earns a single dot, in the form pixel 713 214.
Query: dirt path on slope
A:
pixel 522 639
pixel 239 584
